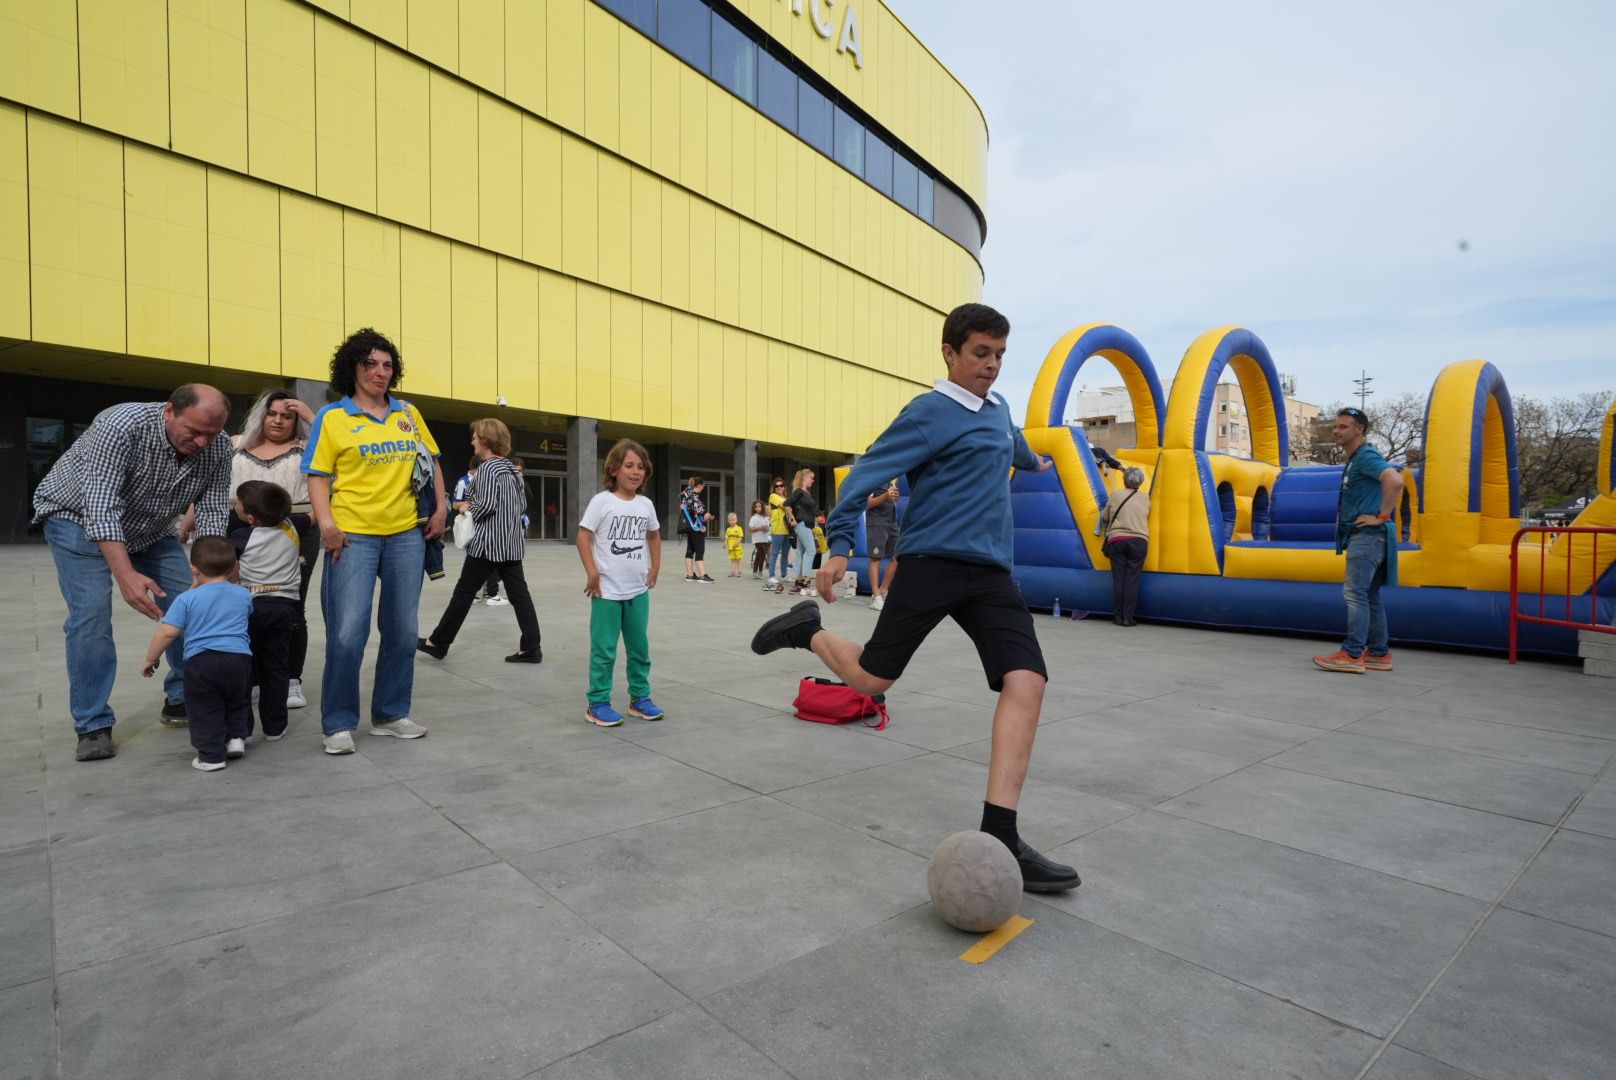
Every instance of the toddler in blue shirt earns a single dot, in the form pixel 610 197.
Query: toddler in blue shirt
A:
pixel 212 616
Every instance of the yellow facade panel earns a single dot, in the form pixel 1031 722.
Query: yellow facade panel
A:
pixel 75 225
pixel 656 329
pixel 311 285
pixel 666 142
pixel 693 118
pixel 244 273
pixel 474 324
pixel 454 158
pixel 14 318
pixel 794 300
pixel 482 43
pixel 749 260
pixel 726 266
pixel 541 193
pixel 499 176
pixel 771 295
pixel 339 8
pixel 717 104
pixel 580 210
pixel 684 371
pixel 710 373
pixel 564 62
pixel 39 55
pixel 166 255
pixel 558 343
pixel 424 313
pixel 766 181
pixel 403 138
pixel 207 53
pixel 594 351
pixel 675 230
pixel 434 28
pixel 280 92
pixel 345 114
pixel 601 30
pixel 370 258
pixel 646 234
pixel 387 19
pixel 616 222
pixel 519 334
pixel 745 148
pixel 703 257
pixel 634 96
pixel 123 67
pixel 525 71
pixel 626 359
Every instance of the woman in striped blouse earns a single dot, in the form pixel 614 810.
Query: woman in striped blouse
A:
pixel 498 501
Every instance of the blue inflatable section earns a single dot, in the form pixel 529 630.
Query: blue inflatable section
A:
pixel 1302 505
pixel 1045 531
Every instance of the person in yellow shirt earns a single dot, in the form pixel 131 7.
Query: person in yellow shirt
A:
pixel 820 544
pixel 734 544
pixel 779 537
pixel 370 458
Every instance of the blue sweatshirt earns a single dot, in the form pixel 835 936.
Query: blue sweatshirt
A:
pixel 958 463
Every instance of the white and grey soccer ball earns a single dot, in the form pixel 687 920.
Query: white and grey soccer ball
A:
pixel 974 881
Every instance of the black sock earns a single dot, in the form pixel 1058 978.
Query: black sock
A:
pixel 801 636
pixel 1000 824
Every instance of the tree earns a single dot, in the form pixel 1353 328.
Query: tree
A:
pixel 1396 429
pixel 1557 447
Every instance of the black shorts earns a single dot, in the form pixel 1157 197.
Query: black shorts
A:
pixel 982 599
pixel 881 543
pixel 696 546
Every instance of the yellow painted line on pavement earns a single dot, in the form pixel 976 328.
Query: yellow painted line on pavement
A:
pixel 995 940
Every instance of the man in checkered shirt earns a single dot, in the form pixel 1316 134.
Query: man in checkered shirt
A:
pixel 109 507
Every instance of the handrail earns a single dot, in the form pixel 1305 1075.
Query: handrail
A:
pixel 1516 616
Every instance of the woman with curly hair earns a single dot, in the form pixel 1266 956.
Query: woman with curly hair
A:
pixel 367 464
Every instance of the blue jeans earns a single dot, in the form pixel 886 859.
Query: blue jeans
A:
pixel 779 552
pixel 805 550
pixel 345 595
pixel 1366 573
pixel 85 579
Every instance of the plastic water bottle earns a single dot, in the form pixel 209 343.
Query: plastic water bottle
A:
pixel 1056 612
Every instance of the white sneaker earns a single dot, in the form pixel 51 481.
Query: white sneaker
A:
pixel 275 738
pixel 235 748
pixel 879 602
pixel 402 728
pixel 206 766
pixel 498 601
pixel 294 695
pixel 340 743
pixel 771 584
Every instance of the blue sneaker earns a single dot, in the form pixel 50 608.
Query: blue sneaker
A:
pixel 645 709
pixel 601 714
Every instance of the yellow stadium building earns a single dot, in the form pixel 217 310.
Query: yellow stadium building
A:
pixel 730 231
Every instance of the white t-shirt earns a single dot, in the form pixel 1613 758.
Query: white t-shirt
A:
pixel 620 527
pixel 758 526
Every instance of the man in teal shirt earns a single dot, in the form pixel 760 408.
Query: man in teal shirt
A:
pixel 1370 490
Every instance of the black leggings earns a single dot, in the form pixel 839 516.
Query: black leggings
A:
pixel 696 546
pixel 1127 557
pixel 308 548
pixel 473 573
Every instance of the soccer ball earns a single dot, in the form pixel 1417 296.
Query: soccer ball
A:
pixel 974 881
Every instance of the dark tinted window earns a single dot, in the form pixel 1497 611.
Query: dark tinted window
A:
pixel 734 61
pixel 813 118
pixel 685 27
pixel 877 163
pixel 906 184
pixel 640 14
pixel 777 91
pixel 849 143
pixel 928 189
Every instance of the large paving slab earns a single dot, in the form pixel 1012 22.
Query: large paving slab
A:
pixel 1572 881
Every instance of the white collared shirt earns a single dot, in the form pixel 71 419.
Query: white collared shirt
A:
pixel 956 392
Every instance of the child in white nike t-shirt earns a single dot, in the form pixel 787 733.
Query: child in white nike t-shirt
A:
pixel 621 548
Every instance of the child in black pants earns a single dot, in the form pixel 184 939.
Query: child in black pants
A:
pixel 212 615
pixel 269 569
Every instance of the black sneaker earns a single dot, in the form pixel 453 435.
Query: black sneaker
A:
pixel 705 578
pixel 174 714
pixel 437 652
pixel 534 657
pixel 96 746
pixel 793 630
pixel 1039 874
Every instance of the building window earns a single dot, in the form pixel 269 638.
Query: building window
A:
pixel 849 143
pixel 814 118
pixel 640 14
pixel 685 27
pixel 878 163
pixel 1223 406
pixel 735 61
pixel 928 189
pixel 1223 431
pixel 906 184
pixel 777 91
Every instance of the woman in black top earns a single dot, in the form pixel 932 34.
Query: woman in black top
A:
pixel 498 501
pixel 801 511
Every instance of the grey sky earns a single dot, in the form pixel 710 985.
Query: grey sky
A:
pixel 1305 170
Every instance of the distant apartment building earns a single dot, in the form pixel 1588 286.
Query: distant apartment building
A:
pixel 1106 416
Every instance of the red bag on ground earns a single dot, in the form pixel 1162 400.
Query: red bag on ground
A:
pixel 826 701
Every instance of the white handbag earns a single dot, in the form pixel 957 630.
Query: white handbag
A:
pixel 464 530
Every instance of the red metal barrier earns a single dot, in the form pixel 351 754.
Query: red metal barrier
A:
pixel 1543 532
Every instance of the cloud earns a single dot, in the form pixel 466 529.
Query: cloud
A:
pixel 1306 171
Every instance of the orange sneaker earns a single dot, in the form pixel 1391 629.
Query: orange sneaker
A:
pixel 1341 661
pixel 1383 662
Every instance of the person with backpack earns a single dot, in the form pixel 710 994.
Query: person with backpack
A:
pixel 1125 525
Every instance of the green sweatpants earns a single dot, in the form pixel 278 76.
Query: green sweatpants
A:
pixel 609 619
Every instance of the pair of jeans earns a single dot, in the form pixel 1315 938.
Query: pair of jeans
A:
pixel 218 694
pixel 779 555
pixel 346 588
pixel 269 629
pixel 609 620
pixel 86 582
pixel 806 548
pixel 475 572
pixel 1127 555
pixel 1366 573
